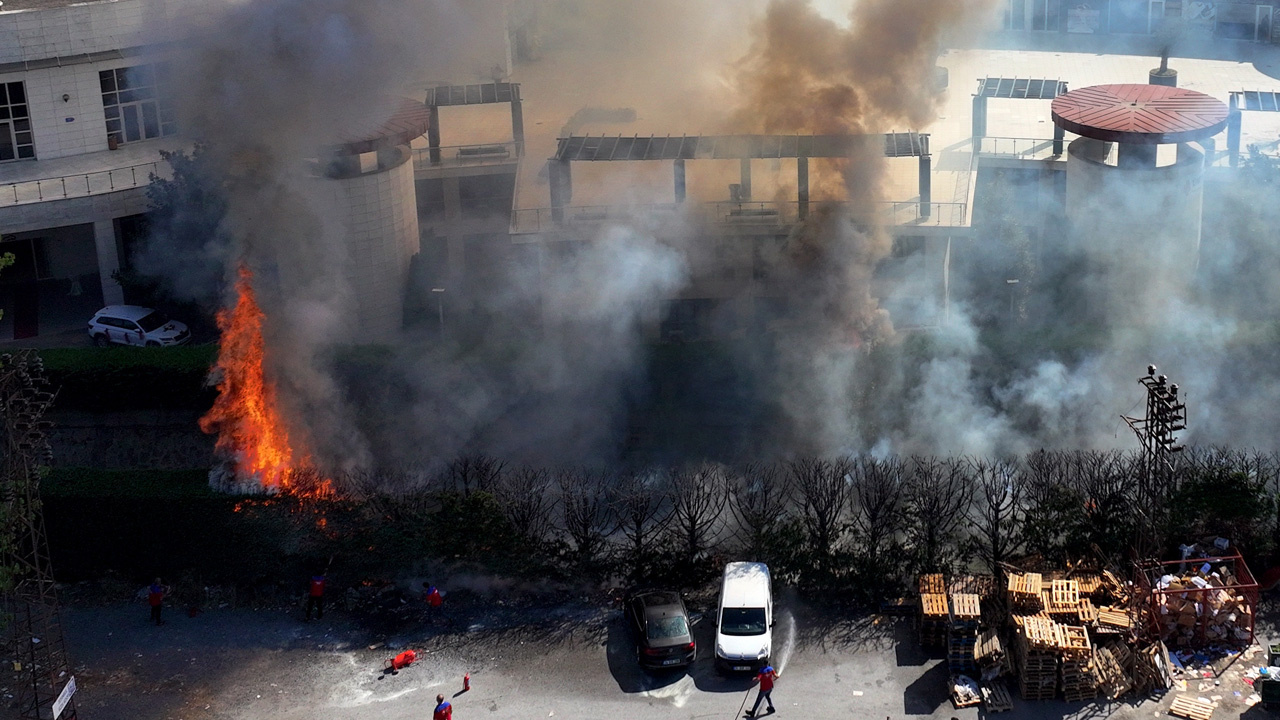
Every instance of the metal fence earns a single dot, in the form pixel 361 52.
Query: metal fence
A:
pixel 81 185
pixel 1019 148
pixel 740 214
pixel 466 155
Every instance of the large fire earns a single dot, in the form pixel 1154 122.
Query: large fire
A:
pixel 252 435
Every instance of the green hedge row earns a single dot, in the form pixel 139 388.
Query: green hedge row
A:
pixel 131 378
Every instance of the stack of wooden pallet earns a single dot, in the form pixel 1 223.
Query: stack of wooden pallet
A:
pixel 1037 670
pixel 1111 663
pixel 1078 682
pixel 1061 600
pixel 962 633
pixel 1151 669
pixel 934 620
pixel 989 652
pixel 1024 592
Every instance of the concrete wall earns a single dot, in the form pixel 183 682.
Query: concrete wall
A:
pixel 27 35
pixel 382 237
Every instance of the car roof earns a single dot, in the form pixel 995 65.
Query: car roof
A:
pixel 746 584
pixel 125 312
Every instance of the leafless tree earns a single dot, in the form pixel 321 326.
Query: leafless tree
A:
pixel 761 499
pixel 473 473
pixel 996 514
pixel 528 500
pixel 937 498
pixel 878 507
pixel 641 509
pixel 585 518
pixel 822 488
pixel 699 495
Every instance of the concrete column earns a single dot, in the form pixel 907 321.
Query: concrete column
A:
pixel 517 125
pixel 1233 131
pixel 746 180
pixel 979 116
pixel 802 184
pixel 1133 155
pixel 433 133
pixel 1059 134
pixel 452 199
pixel 679 180
pixel 561 181
pixel 1210 150
pixel 926 186
pixel 104 240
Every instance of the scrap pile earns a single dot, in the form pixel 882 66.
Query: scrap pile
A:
pixel 951 618
pixel 1203 602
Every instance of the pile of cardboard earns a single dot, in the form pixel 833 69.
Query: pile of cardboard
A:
pixel 1202 604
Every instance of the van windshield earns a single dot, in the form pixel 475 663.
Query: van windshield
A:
pixel 742 621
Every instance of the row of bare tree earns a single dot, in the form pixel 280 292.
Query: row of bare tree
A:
pixel 873 521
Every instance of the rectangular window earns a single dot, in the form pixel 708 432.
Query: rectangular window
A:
pixel 16 141
pixel 137 103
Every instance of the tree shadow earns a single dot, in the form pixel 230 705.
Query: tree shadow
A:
pixel 928 692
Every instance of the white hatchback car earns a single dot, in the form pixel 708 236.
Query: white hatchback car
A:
pixel 134 325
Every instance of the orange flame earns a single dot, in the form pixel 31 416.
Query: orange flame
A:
pixel 251 432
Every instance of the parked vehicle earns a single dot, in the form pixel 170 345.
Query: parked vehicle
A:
pixel 134 325
pixel 660 623
pixel 744 623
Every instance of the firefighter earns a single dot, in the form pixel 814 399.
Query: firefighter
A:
pixel 443 711
pixel 434 600
pixel 766 678
pixel 155 598
pixel 315 597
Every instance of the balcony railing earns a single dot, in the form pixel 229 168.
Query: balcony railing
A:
pixel 739 214
pixel 81 185
pixel 1019 148
pixel 502 153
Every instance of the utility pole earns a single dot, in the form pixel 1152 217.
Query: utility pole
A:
pixel 1166 414
pixel 35 655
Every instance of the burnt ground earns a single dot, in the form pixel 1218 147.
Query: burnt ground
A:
pixel 533 656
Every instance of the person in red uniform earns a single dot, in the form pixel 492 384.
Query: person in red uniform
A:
pixel 433 599
pixel 315 597
pixel 155 598
pixel 443 711
pixel 765 678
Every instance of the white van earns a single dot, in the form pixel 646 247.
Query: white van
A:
pixel 744 623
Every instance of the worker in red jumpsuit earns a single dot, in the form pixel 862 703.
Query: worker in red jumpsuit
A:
pixel 443 711
pixel 155 598
pixel 434 601
pixel 315 597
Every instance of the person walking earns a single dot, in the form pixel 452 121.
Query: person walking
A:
pixel 434 601
pixel 766 678
pixel 155 598
pixel 315 597
pixel 443 711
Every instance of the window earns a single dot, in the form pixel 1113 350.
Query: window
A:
pixel 136 103
pixel 743 621
pixel 667 628
pixel 15 124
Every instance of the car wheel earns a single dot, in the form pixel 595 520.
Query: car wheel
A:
pixel 100 341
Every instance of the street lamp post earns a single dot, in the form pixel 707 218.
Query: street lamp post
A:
pixel 439 293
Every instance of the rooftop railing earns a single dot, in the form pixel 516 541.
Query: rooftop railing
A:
pixel 737 214
pixel 501 153
pixel 81 185
pixel 1019 148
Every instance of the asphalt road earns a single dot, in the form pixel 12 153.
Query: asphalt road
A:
pixel 568 662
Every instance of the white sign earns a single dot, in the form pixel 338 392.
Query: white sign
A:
pixel 64 697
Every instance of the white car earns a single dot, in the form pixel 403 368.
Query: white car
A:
pixel 744 624
pixel 134 325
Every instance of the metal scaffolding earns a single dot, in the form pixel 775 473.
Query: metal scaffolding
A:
pixel 1166 415
pixel 35 653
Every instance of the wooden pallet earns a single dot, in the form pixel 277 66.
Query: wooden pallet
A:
pixel 1025 585
pixel 1074 641
pixel 1114 618
pixel 996 698
pixel 1088 584
pixel 933 584
pixel 1087 613
pixel 989 645
pixel 1041 634
pixel 932 605
pixel 1064 596
pixel 965 606
pixel 1185 706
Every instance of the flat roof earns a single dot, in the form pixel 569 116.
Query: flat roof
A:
pixel 15 5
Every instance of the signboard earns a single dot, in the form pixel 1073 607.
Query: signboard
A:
pixel 1200 16
pixel 64 697
pixel 1084 19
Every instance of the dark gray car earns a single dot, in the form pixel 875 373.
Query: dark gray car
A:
pixel 660 623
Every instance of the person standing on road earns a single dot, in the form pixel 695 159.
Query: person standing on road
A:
pixel 443 711
pixel 765 678
pixel 434 601
pixel 155 598
pixel 315 597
